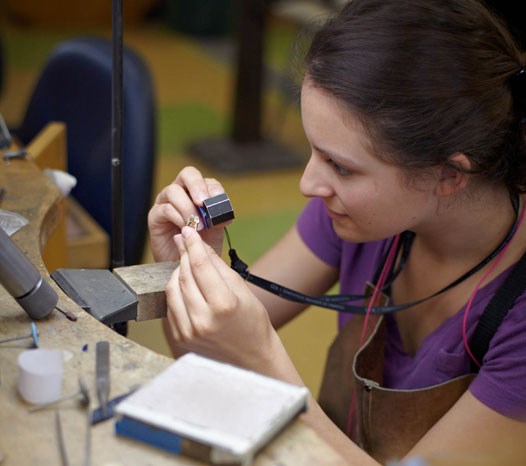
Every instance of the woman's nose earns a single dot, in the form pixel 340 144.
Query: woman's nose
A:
pixel 313 182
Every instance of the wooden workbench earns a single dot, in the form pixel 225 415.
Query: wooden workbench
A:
pixel 30 439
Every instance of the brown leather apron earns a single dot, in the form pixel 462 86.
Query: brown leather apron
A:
pixel 388 422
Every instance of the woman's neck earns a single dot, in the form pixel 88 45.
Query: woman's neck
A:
pixel 468 230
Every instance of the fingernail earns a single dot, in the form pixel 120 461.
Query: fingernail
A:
pixel 187 231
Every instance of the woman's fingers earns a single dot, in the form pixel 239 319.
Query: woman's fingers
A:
pixel 173 301
pixel 178 201
pixel 173 204
pixel 197 297
pixel 198 187
pixel 187 303
pixel 183 298
pixel 173 208
pixel 205 275
pixel 211 308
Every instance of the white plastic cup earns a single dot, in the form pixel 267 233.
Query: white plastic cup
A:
pixel 40 375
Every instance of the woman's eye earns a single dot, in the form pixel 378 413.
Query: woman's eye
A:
pixel 339 169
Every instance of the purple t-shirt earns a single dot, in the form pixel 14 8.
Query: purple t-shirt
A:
pixel 501 382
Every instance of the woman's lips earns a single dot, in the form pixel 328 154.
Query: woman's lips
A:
pixel 334 215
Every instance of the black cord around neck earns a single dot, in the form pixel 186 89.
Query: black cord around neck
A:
pixel 339 302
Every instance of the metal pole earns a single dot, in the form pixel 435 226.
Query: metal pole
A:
pixel 248 99
pixel 117 228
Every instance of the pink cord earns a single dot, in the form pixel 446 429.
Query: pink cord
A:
pixel 479 284
pixel 377 290
pixel 379 285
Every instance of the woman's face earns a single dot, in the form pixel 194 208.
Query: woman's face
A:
pixel 366 198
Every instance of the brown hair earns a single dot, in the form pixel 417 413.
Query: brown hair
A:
pixel 428 79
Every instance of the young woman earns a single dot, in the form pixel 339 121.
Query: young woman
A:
pixel 414 111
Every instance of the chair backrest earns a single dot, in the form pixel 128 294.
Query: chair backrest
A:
pixel 75 88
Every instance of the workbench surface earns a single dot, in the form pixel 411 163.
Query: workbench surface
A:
pixel 30 438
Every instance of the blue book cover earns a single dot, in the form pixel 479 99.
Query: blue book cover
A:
pixel 160 438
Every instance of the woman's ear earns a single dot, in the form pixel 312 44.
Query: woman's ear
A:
pixel 454 175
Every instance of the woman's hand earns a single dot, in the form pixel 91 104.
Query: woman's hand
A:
pixel 172 208
pixel 211 310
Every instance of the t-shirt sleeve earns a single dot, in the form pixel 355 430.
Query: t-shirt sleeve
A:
pixel 315 228
pixel 501 382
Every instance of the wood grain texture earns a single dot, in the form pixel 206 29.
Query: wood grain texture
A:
pixel 148 282
pixel 29 439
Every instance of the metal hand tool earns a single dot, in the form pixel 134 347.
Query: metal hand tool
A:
pixel 82 392
pixel 60 438
pixel 15 154
pixel 33 335
pixel 5 135
pixel 87 441
pixel 23 281
pixel 87 444
pixel 102 373
pixel 97 415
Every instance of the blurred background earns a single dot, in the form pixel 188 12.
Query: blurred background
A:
pixel 223 77
pixel 224 80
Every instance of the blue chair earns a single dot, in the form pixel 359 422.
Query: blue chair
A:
pixel 75 88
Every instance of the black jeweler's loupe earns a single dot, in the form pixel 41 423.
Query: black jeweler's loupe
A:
pixel 216 210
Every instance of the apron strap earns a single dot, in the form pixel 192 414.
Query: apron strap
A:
pixel 496 310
